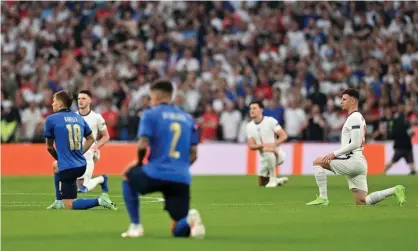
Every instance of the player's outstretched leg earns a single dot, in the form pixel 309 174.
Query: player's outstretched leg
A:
pixel 83 204
pixel 191 225
pixel 321 181
pixel 58 197
pixel 131 199
pixel 378 196
pixel 91 184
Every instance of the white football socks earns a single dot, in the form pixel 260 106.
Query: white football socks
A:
pixel 273 175
pixel 321 181
pixel 378 196
pixel 92 183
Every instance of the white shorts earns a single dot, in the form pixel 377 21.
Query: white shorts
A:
pixel 269 162
pixel 354 169
pixel 90 166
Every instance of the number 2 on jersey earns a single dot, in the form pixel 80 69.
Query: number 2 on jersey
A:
pixel 74 136
pixel 176 129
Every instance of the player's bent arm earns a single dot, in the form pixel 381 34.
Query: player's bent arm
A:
pixel 87 144
pixel 282 136
pixel 51 148
pixel 142 148
pixel 193 154
pixel 104 138
pixel 356 140
pixel 252 145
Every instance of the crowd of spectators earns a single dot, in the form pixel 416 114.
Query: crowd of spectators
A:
pixel 295 56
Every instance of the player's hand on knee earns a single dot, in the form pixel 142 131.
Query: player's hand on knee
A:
pixel 318 161
pixel 96 155
pixel 327 159
pixel 131 165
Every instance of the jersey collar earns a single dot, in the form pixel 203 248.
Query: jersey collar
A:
pixel 259 122
pixel 83 115
pixel 64 110
pixel 352 112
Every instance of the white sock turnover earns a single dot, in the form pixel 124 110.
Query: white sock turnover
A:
pixel 321 180
pixel 378 196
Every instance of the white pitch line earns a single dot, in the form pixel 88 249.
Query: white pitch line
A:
pixel 151 199
pixel 242 204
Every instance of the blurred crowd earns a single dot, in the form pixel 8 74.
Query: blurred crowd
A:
pixel 295 56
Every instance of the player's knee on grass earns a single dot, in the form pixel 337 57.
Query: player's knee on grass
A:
pixel 68 203
pixel 359 196
pixel 262 181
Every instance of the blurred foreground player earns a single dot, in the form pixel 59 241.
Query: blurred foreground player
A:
pixel 171 136
pixel 350 161
pixel 262 133
pixel 402 133
pixel 67 129
pixel 97 124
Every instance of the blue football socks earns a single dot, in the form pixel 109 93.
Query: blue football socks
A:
pixel 131 202
pixel 83 204
pixel 58 195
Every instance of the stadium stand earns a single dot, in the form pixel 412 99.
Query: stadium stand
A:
pixel 296 56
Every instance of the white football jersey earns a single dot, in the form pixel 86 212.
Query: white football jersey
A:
pixel 96 123
pixel 353 135
pixel 265 131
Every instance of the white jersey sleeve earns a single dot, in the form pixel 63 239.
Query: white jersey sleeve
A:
pixel 101 123
pixel 352 136
pixel 275 124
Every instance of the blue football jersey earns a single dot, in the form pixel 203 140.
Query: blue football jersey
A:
pixel 68 129
pixel 172 133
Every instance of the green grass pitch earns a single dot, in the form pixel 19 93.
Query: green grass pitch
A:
pixel 238 216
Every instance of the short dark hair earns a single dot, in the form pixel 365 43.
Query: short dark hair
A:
pixel 257 102
pixel 352 93
pixel 164 86
pixel 87 92
pixel 65 97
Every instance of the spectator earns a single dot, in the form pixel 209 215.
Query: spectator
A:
pixel 110 115
pixel 315 129
pixel 334 122
pixel 295 121
pixel 275 110
pixel 10 121
pixel 214 53
pixel 209 124
pixel 230 121
pixel 384 128
pixel 31 119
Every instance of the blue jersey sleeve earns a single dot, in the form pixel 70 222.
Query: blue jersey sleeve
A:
pixel 87 130
pixel 195 135
pixel 145 125
pixel 49 128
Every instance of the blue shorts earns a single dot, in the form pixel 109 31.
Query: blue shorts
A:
pixel 176 195
pixel 68 180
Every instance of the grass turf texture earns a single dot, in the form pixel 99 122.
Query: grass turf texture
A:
pixel 237 214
